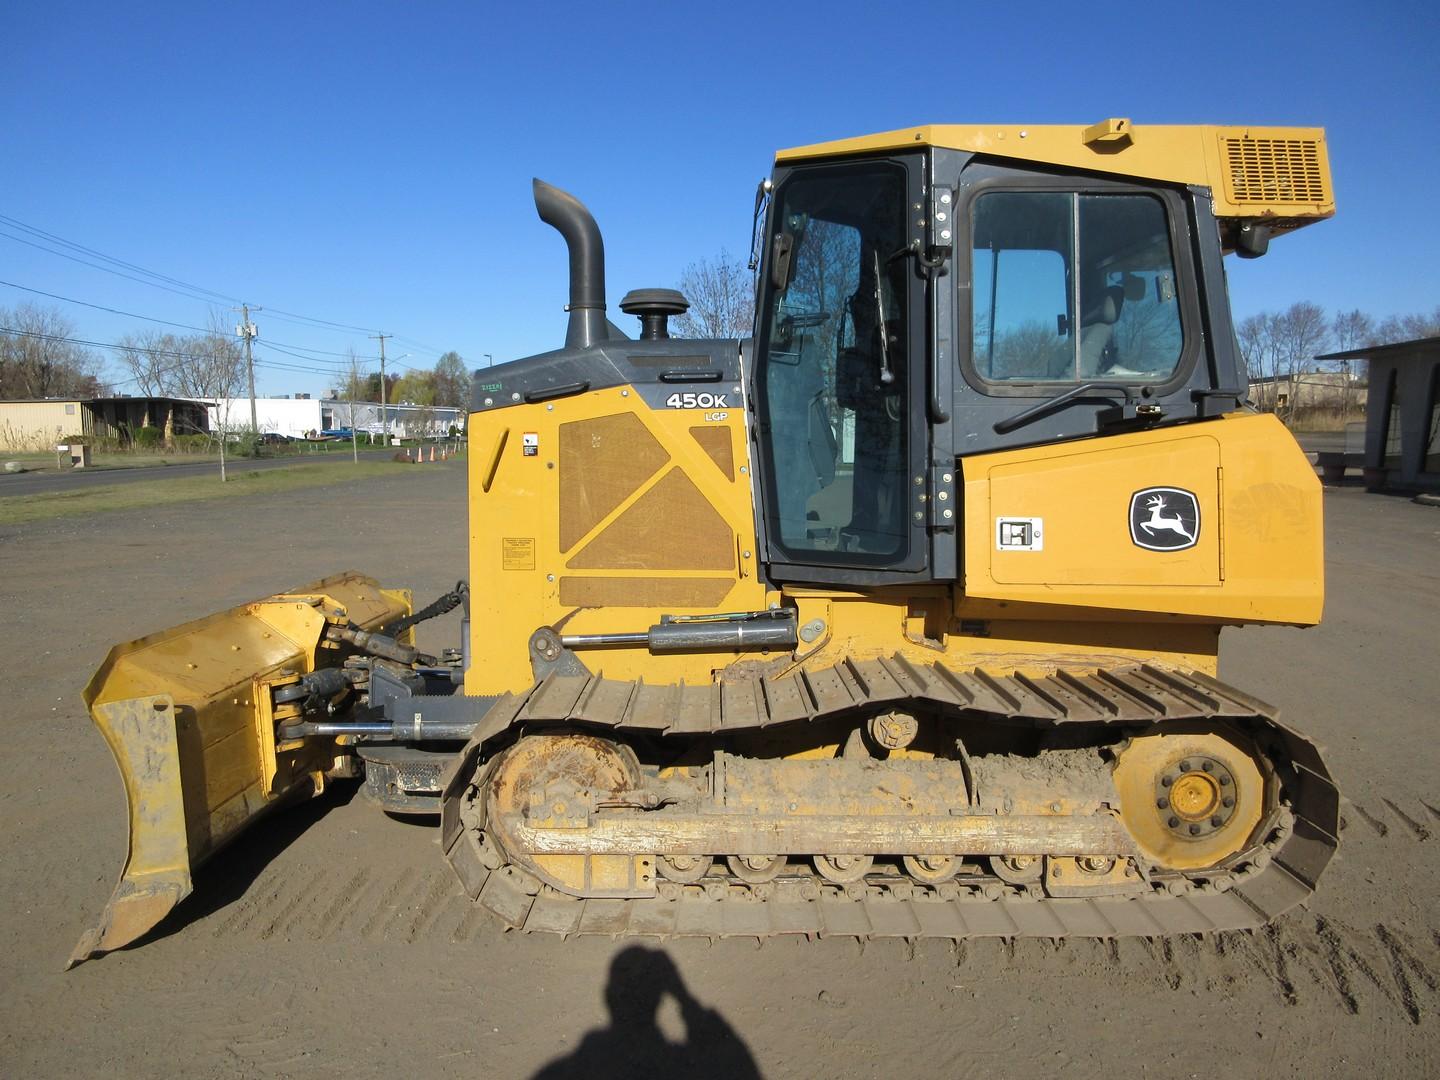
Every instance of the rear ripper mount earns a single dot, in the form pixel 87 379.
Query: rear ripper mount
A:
pixel 1021 850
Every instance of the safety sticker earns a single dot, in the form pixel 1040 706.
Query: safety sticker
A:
pixel 1020 534
pixel 517 553
pixel 530 443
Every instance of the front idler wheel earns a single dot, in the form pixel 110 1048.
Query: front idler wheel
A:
pixel 1192 799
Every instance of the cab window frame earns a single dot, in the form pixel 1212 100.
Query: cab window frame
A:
pixel 1182 250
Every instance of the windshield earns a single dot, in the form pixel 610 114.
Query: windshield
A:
pixel 833 368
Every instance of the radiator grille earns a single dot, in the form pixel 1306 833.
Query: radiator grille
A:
pixel 1274 170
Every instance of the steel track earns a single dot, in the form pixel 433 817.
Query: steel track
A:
pixel 1251 889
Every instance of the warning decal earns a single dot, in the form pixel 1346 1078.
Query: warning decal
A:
pixel 517 553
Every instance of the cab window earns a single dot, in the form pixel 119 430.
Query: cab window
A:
pixel 1072 287
pixel 834 364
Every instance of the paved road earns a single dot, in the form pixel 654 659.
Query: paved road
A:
pixel 47 480
pixel 1323 441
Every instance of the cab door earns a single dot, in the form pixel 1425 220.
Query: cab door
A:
pixel 840 379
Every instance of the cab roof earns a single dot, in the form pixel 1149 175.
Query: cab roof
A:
pixel 1279 175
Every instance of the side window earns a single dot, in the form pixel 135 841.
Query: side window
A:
pixel 1022 290
pixel 1073 288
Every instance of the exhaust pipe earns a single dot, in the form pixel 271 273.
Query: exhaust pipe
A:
pixel 569 217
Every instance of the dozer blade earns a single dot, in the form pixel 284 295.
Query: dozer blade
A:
pixel 189 715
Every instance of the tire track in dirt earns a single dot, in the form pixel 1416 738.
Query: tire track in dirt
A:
pixel 1380 828
pixel 1348 965
pixel 329 921
pixel 469 922
pixel 1313 961
pixel 442 891
pixel 1419 831
pixel 265 894
pixel 403 885
pixel 282 914
pixel 1411 823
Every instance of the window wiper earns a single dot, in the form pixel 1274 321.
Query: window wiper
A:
pixel 887 376
pixel 1145 411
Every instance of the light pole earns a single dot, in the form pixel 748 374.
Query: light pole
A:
pixel 489 360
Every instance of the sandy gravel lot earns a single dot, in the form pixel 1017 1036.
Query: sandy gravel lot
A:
pixel 335 943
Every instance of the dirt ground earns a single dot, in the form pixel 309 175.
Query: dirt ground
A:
pixel 335 942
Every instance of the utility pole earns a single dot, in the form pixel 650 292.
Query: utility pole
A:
pixel 249 331
pixel 384 419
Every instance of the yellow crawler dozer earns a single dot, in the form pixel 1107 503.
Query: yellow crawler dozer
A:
pixel 899 617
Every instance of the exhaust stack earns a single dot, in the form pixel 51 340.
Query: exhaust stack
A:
pixel 569 217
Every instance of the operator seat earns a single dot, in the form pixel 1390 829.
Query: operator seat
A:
pixel 1097 329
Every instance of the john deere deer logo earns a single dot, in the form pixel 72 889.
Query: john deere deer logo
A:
pixel 1164 519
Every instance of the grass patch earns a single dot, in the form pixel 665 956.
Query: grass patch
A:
pixel 104 460
pixel 17 509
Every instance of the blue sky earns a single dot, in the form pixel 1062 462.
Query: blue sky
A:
pixel 370 163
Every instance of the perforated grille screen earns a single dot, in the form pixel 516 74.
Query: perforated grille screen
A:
pixel 1274 170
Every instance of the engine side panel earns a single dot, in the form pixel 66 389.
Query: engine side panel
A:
pixel 1221 520
pixel 599 513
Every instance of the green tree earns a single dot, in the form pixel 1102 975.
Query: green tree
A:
pixel 416 388
pixel 451 380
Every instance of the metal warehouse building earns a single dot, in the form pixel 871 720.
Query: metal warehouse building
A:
pixel 1402 429
pixel 298 417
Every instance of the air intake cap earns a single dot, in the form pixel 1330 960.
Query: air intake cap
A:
pixel 654 308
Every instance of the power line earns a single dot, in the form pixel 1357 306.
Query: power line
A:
pixel 329 363
pixel 181 326
pixel 323 322
pixel 102 307
pixel 317 352
pixel 107 269
pixel 193 289
pixel 54 238
pixel 169 354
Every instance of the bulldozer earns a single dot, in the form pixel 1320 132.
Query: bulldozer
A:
pixel 899 617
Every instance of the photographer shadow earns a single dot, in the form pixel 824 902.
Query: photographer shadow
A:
pixel 633 1044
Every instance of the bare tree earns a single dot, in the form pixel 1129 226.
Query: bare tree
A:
pixel 1408 327
pixel 722 299
pixel 36 360
pixel 353 390
pixel 1350 330
pixel 148 356
pixel 170 365
pixel 212 367
pixel 1303 333
pixel 1281 347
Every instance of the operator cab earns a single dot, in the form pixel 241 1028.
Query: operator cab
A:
pixel 919 304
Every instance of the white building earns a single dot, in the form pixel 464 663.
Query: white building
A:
pixel 299 417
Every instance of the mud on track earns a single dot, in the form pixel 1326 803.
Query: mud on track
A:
pixel 335 942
